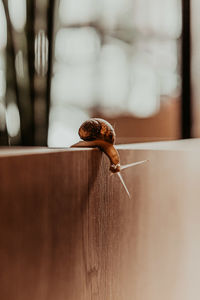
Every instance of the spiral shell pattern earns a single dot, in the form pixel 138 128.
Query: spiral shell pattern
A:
pixel 96 128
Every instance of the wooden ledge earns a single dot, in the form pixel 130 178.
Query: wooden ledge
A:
pixel 180 145
pixel 69 231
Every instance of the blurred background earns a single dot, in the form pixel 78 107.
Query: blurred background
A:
pixel 128 61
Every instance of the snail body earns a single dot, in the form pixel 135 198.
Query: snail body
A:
pixel 99 133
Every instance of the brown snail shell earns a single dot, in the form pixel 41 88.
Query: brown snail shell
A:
pixel 96 128
pixel 99 133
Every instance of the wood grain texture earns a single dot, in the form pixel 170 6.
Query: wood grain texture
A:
pixel 69 231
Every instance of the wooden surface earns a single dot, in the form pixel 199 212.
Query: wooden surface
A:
pixel 69 231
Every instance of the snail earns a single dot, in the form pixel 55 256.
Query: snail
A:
pixel 99 133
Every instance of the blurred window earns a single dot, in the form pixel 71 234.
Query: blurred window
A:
pixel 114 57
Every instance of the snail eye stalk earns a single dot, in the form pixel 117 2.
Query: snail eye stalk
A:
pixel 123 183
pixel 133 164
pixel 123 167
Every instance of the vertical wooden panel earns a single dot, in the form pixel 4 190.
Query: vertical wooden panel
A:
pixel 69 231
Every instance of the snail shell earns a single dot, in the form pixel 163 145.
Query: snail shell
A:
pixel 99 133
pixel 95 128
